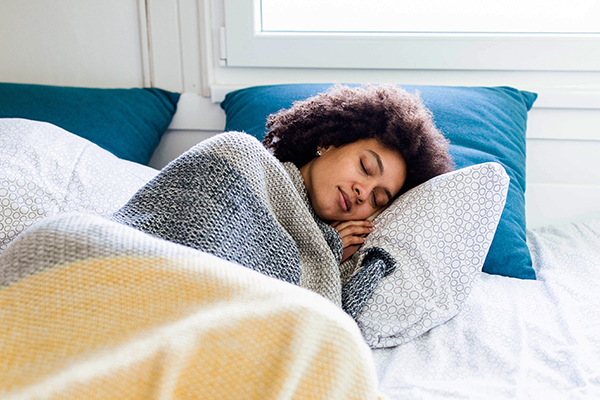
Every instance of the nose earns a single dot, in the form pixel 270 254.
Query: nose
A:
pixel 360 193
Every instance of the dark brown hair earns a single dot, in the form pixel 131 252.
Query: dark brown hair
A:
pixel 343 115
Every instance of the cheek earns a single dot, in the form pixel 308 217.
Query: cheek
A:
pixel 321 197
pixel 364 213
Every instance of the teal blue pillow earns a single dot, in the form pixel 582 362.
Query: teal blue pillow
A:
pixel 483 124
pixel 127 122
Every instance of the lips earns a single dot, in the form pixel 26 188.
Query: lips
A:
pixel 344 201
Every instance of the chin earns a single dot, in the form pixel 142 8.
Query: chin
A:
pixel 326 217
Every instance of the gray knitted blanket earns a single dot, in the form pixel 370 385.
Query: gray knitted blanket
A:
pixel 230 197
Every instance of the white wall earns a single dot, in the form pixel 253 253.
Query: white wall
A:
pixel 92 43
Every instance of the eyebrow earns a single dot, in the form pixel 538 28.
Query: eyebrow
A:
pixel 380 165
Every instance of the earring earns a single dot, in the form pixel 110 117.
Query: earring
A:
pixel 319 152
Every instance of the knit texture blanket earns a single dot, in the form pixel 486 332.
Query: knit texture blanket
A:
pixel 230 197
pixel 94 309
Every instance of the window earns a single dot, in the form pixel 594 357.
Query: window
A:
pixel 428 16
pixel 424 34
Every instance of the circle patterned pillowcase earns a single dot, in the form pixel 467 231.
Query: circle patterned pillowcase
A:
pixel 439 234
pixel 45 170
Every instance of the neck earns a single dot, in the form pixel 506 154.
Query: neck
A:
pixel 305 172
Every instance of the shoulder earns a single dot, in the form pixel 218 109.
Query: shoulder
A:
pixel 235 140
pixel 230 143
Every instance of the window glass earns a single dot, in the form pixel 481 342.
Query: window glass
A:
pixel 456 16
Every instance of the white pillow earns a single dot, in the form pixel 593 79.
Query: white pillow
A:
pixel 439 234
pixel 45 170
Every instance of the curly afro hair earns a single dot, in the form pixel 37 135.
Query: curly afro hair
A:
pixel 344 115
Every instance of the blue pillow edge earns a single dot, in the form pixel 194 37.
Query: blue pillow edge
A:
pixel 138 137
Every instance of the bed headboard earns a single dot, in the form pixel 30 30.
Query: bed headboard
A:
pixel 563 150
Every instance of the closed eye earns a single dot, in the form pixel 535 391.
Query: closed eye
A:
pixel 363 167
pixel 384 198
pixel 375 205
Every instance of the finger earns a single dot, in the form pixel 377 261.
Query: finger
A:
pixel 344 224
pixel 355 230
pixel 352 240
pixel 360 222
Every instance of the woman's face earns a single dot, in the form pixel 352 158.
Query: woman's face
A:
pixel 353 181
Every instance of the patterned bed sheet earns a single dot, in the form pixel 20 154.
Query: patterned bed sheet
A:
pixel 514 338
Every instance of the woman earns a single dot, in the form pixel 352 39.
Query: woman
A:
pixel 340 157
pixel 357 149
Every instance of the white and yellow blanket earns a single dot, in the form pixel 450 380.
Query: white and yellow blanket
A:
pixel 90 308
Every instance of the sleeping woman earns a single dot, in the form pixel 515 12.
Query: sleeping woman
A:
pixel 357 150
pixel 300 203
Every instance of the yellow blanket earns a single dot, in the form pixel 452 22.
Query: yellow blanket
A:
pixel 93 309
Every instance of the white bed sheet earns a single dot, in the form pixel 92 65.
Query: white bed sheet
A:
pixel 514 338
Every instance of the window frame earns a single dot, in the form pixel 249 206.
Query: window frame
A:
pixel 247 46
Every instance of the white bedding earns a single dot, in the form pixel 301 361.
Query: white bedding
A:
pixel 46 171
pixel 514 338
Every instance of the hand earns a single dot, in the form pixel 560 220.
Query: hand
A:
pixel 353 235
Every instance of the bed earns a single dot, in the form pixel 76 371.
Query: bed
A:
pixel 479 306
